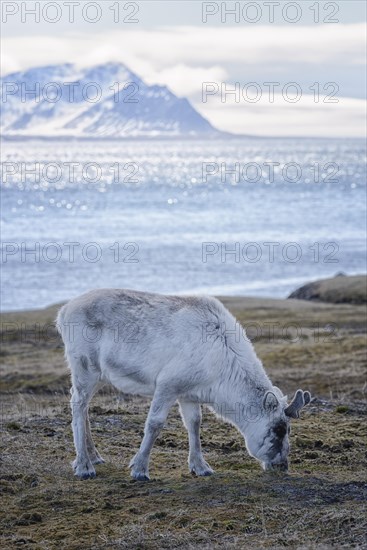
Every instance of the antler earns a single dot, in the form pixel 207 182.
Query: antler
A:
pixel 300 399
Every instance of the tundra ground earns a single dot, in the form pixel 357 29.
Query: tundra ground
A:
pixel 321 503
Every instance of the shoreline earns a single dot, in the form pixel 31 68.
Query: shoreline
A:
pixel 345 288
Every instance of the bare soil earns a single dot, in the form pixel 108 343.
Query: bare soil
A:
pixel 321 503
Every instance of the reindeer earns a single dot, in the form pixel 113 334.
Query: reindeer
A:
pixel 172 348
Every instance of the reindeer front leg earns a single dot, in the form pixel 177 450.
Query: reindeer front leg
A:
pixel 158 412
pixel 191 416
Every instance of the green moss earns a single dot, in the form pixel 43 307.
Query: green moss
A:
pixel 303 442
pixel 342 409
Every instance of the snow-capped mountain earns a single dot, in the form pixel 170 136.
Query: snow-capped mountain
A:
pixel 102 101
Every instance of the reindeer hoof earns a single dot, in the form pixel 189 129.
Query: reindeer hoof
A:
pixel 202 470
pixel 83 470
pixel 87 475
pixel 202 473
pixel 140 477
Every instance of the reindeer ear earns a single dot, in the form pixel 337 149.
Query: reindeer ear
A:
pixel 270 401
pixel 298 402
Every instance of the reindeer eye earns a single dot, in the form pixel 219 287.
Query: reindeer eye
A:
pixel 289 429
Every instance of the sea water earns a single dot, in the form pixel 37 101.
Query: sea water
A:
pixel 256 217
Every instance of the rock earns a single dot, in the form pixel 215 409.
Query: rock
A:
pixel 337 290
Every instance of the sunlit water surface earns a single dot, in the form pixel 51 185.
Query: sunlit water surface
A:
pixel 162 219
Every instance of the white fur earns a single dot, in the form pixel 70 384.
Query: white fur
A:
pixel 185 349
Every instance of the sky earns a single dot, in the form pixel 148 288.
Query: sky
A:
pixel 294 68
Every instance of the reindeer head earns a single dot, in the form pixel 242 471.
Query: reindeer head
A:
pixel 267 439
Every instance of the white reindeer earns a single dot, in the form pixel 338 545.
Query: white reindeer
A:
pixel 173 348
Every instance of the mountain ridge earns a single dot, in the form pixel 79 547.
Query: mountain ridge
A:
pixel 102 101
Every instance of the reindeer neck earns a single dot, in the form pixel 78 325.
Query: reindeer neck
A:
pixel 239 394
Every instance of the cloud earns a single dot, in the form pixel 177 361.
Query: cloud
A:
pixel 304 118
pixel 9 63
pixel 184 80
pixel 159 49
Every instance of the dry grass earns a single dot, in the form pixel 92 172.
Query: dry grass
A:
pixel 320 504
